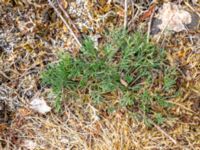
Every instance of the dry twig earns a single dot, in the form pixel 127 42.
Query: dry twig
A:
pixel 125 13
pixel 64 21
pixel 150 23
pixel 163 132
pixel 68 17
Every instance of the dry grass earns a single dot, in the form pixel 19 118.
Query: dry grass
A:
pixel 82 126
pixel 84 130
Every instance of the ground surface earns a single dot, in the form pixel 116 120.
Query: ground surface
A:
pixel 31 36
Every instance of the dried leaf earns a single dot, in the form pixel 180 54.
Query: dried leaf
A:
pixel 123 82
pixel 148 13
pixel 29 144
pixel 39 105
pixel 173 18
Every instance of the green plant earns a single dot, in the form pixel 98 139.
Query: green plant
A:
pixel 159 118
pixel 127 63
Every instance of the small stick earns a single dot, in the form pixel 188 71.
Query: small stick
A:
pixel 125 13
pixel 160 129
pixel 64 21
pixel 68 17
pixel 163 132
pixel 149 24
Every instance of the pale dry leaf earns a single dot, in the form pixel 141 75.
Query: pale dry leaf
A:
pixel 194 1
pixel 39 105
pixel 29 144
pixel 173 18
pixel 64 140
pixel 124 83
